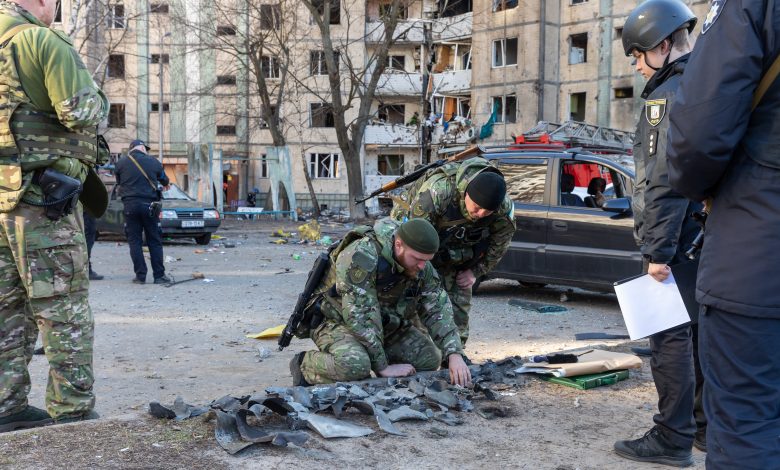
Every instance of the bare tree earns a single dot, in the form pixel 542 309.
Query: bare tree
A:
pixel 353 86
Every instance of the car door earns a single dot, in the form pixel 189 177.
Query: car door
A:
pixel 526 181
pixel 587 245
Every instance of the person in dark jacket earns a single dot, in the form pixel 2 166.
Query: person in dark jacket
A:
pixel 656 35
pixel 138 183
pixel 724 144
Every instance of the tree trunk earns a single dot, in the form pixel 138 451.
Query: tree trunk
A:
pixel 315 204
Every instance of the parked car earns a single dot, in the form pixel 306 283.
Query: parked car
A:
pixel 181 216
pixel 559 240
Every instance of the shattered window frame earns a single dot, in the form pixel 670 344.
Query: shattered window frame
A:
pixel 500 56
pixel 390 164
pixel 115 68
pixel 324 165
pixel 507 108
pixel 503 5
pixel 116 18
pixel 393 111
pixel 321 115
pixel 270 16
pixel 117 116
pixel 270 67
pixel 578 48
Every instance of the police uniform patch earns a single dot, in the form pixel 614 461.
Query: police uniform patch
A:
pixel 655 110
pixel 715 10
pixel 357 275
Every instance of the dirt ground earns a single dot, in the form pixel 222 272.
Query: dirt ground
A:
pixel 155 343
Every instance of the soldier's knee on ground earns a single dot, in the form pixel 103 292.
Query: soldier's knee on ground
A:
pixel 428 358
pixel 351 365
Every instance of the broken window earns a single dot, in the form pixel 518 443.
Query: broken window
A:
pixel 226 31
pixel 454 8
pixel 578 52
pixel 317 63
pixel 156 58
pixel 269 67
pixel 116 16
pixel 525 183
pixel 577 2
pixel 116 66
pixel 504 52
pixel 270 16
pixel 465 61
pixel 323 165
pixel 226 130
pixel 505 108
pixel 624 92
pixel 384 10
pixel 392 113
pixel 226 79
pixel 464 107
pixel 577 107
pixel 396 62
pixel 161 8
pixel 116 115
pixel 390 165
pixel 322 115
pixel 156 107
pixel 335 9
pixel 501 5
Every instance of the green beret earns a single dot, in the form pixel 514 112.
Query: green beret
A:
pixel 419 235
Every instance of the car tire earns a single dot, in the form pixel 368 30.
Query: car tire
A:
pixel 532 285
pixel 204 239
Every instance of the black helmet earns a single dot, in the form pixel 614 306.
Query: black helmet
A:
pixel 653 21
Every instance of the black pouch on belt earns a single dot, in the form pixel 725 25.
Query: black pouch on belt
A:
pixel 60 192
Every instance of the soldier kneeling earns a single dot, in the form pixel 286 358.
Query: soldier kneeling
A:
pixel 378 282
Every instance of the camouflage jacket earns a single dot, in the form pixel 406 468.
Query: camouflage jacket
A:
pixel 439 197
pixel 54 82
pixel 367 290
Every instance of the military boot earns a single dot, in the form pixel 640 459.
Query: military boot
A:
pixel 295 371
pixel 654 447
pixel 92 414
pixel 30 417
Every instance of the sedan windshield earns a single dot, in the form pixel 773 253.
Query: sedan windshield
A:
pixel 176 193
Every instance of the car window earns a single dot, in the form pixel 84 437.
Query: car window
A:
pixel 525 183
pixel 586 184
pixel 175 193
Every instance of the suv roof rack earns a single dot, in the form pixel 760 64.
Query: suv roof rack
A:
pixel 573 134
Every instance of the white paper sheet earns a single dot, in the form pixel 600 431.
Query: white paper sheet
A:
pixel 650 306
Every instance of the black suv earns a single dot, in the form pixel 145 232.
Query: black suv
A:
pixel 566 233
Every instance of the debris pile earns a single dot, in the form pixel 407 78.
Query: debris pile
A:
pixel 281 414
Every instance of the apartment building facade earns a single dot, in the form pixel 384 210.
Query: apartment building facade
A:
pixel 458 72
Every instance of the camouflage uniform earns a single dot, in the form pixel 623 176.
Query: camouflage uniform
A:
pixel 50 121
pixel 439 197
pixel 369 305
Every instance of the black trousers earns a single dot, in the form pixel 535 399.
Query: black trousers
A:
pixel 740 359
pixel 90 233
pixel 139 223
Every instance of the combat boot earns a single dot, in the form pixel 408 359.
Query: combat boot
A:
pixel 653 447
pixel 295 371
pixel 30 417
pixel 91 414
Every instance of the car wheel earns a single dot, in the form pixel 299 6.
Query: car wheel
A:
pixel 532 285
pixel 204 239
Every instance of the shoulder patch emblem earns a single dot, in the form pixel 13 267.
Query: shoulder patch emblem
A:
pixel 715 9
pixel 655 110
pixel 357 275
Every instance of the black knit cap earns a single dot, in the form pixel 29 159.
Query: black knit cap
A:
pixel 419 235
pixel 487 189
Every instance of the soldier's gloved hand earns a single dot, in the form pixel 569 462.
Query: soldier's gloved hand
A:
pixel 398 370
pixel 459 371
pixel 465 279
pixel 658 271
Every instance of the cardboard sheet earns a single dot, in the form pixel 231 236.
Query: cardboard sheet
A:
pixel 591 363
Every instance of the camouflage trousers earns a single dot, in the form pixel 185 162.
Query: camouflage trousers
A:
pixel 342 358
pixel 44 286
pixel 461 304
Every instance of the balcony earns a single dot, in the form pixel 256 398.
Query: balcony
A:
pixel 454 28
pixel 452 82
pixel 407 31
pixel 394 135
pixel 399 84
pixel 457 133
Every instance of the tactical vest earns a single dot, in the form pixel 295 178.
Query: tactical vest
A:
pixel 30 138
pixel 390 285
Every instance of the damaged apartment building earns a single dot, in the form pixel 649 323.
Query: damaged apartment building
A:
pixel 458 72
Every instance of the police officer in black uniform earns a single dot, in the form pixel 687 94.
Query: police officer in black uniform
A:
pixel 656 35
pixel 722 148
pixel 139 176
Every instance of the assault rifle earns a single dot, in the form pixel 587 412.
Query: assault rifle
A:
pixel 416 174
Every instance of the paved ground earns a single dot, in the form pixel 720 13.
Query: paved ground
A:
pixel 155 343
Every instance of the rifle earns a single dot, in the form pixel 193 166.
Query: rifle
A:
pixel 298 318
pixel 416 174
